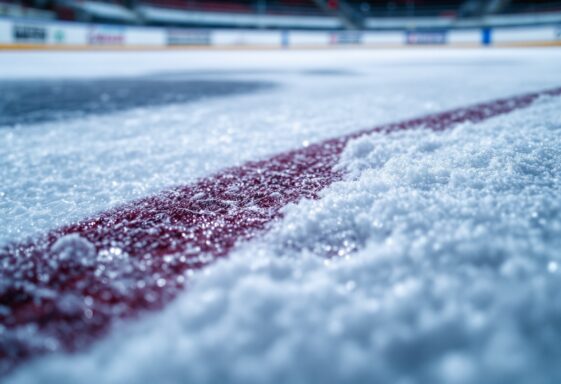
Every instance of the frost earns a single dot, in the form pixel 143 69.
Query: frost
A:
pixel 74 248
pixel 444 275
pixel 434 261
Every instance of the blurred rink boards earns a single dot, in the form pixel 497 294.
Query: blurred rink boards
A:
pixel 38 34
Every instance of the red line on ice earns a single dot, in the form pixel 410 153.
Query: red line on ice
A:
pixel 146 248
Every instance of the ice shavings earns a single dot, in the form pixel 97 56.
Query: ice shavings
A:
pixel 448 275
pixel 73 249
pixel 56 173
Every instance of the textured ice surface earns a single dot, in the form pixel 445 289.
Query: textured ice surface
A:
pixel 58 172
pixel 74 249
pixel 447 272
pixel 35 101
pixel 448 263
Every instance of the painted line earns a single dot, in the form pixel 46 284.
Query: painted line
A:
pixel 63 290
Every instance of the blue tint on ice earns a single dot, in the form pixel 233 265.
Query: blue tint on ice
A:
pixel 448 243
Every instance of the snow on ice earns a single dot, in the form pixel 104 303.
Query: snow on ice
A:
pixel 446 245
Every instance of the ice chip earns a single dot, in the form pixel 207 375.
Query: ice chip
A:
pixel 74 248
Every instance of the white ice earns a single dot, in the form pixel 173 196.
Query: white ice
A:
pixel 448 243
pixel 54 173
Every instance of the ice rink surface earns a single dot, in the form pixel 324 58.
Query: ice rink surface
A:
pixel 449 243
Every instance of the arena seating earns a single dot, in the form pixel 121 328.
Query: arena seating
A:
pixel 282 7
pixel 535 6
pixel 406 8
pixel 14 9
pixel 295 14
pixel 303 14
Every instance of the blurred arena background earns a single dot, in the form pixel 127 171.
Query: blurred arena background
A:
pixel 277 23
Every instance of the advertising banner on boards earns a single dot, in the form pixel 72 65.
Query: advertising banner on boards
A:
pixel 346 37
pixel 106 35
pixel 29 33
pixel 426 37
pixel 177 37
